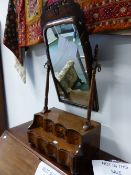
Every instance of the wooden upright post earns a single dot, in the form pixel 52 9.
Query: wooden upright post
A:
pixel 95 67
pixel 46 89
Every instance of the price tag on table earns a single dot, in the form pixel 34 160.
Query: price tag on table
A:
pixel 44 169
pixel 102 167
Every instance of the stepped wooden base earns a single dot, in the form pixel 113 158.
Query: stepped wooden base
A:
pixel 60 135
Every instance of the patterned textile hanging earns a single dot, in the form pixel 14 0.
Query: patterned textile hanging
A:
pixel 106 15
pixel 11 31
pixel 23 24
pixel 50 2
pixel 23 28
pixel 34 34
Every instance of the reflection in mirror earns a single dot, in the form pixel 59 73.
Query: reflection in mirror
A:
pixel 68 65
pixel 68 62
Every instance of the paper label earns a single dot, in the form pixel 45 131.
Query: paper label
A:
pixel 102 167
pixel 44 169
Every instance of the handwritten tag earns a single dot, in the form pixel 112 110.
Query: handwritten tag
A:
pixel 44 169
pixel 102 167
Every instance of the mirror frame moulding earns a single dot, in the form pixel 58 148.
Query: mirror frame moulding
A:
pixel 88 56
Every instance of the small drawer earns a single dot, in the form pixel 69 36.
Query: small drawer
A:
pixel 52 150
pixel 48 125
pixel 32 138
pixel 42 145
pixel 59 130
pixel 63 157
pixel 73 137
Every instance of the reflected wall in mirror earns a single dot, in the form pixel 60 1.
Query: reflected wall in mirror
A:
pixel 70 68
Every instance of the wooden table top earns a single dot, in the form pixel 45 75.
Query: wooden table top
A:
pixel 12 157
pixel 20 132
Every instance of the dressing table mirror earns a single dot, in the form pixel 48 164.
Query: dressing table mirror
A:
pixel 69 54
pixel 68 141
pixel 70 66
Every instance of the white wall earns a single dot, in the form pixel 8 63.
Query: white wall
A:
pixel 114 89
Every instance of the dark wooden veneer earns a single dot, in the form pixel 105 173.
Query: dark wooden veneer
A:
pixel 20 132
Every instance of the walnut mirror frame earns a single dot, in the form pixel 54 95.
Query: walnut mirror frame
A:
pixel 71 74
